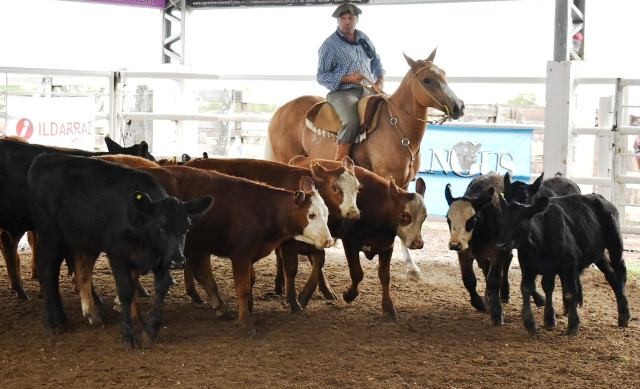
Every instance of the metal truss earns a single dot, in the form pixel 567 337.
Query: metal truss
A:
pixel 569 34
pixel 173 27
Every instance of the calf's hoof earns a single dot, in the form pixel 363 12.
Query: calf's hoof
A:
pixel 350 295
pixel 248 332
pixel 20 293
pixel 296 307
pixel 130 342
pixel 572 331
pixel 195 297
pixel 93 319
pixel 550 321
pixel 497 320
pixel 142 291
pixel 539 300
pixel 54 331
pixel 530 324
pixel 623 320
pixel 224 314
pixel 97 298
pixel 304 299
pixel 478 303
pixel 329 294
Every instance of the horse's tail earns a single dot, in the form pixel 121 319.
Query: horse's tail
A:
pixel 268 150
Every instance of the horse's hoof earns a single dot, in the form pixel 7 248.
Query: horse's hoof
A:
pixel 391 313
pixel 414 275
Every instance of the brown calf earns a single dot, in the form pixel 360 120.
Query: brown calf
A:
pixel 338 187
pixel 386 211
pixel 249 220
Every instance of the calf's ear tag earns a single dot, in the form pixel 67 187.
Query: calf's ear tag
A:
pixel 138 196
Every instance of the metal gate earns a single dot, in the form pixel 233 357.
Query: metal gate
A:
pixel 625 166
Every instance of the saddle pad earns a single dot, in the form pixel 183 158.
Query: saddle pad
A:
pixel 323 120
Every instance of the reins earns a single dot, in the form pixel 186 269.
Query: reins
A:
pixel 394 121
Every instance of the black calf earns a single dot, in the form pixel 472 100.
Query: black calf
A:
pixel 562 236
pixel 83 206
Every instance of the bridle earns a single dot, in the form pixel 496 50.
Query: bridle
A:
pixel 394 121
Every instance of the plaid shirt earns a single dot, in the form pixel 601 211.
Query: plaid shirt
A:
pixel 338 57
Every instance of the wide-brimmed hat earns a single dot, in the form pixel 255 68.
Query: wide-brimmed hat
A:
pixel 346 7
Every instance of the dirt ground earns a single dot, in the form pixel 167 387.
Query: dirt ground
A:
pixel 440 341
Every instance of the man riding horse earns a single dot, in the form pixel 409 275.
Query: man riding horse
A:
pixel 346 58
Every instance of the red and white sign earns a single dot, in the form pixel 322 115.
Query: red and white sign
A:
pixel 53 121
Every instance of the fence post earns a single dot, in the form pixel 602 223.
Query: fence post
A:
pixel 604 144
pixel 558 119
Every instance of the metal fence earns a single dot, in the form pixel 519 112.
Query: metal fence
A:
pixel 122 113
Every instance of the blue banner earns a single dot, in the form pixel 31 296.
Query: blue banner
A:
pixel 456 154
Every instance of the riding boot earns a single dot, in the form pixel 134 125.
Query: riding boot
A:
pixel 342 149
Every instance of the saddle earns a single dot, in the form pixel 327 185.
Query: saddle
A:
pixel 323 120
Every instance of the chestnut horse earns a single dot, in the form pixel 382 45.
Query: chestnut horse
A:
pixel 392 149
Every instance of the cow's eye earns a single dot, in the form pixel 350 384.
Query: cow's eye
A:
pixel 471 223
pixel 335 188
pixel 312 215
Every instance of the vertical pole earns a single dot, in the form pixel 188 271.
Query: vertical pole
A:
pixel 603 144
pixel 558 148
pixel 617 188
pixel 561 31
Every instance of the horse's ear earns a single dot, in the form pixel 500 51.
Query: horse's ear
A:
pixel 410 61
pixel 432 56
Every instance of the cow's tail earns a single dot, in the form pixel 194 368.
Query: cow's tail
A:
pixel 611 229
pixel 268 150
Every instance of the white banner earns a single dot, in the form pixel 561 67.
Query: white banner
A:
pixel 53 121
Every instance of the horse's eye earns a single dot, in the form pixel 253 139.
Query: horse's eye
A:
pixel 427 81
